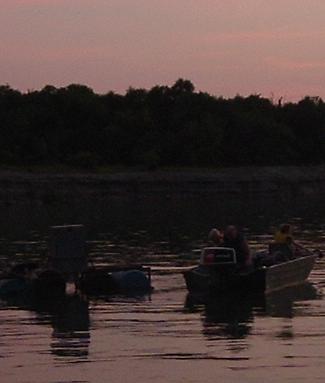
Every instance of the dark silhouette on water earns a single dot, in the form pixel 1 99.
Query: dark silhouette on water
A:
pixel 70 320
pixel 232 315
pixel 71 336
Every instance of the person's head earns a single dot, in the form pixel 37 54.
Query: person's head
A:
pixel 231 232
pixel 215 236
pixel 285 228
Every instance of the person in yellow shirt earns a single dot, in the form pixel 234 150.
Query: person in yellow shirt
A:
pixel 284 235
pixel 283 247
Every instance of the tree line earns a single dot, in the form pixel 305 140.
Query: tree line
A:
pixel 166 126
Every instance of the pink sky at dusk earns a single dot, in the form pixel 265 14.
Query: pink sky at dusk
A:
pixel 227 47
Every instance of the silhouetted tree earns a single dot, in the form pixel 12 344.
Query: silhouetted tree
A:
pixel 164 126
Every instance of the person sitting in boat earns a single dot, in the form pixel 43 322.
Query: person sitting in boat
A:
pixel 284 235
pixel 283 246
pixel 284 242
pixel 236 240
pixel 215 237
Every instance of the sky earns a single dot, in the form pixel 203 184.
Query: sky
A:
pixel 225 47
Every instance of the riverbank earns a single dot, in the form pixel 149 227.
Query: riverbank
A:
pixel 263 181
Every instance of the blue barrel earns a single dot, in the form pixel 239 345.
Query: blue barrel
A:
pixel 132 281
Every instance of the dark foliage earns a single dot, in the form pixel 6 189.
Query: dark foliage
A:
pixel 163 126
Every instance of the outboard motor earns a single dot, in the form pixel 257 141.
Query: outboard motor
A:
pixel 217 265
pixel 219 257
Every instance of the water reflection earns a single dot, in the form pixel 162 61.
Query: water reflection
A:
pixel 223 317
pixel 282 303
pixel 160 339
pixel 232 316
pixel 69 318
pixel 71 336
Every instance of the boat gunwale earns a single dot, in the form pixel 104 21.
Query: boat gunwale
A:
pixel 293 261
pixel 296 260
pixel 266 270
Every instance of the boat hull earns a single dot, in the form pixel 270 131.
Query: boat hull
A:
pixel 133 280
pixel 289 274
pixel 206 279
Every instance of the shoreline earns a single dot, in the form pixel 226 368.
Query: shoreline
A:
pixel 253 172
pixel 266 181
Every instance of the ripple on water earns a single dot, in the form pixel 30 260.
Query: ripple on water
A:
pixel 164 337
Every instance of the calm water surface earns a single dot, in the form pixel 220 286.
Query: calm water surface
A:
pixel 166 337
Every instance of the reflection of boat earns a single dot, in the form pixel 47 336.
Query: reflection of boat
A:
pixel 231 315
pixel 223 317
pixel 282 303
pixel 218 272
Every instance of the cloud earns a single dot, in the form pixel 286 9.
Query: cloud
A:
pixel 14 3
pixel 263 36
pixel 294 65
pixel 226 46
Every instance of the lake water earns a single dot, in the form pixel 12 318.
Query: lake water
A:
pixel 165 337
